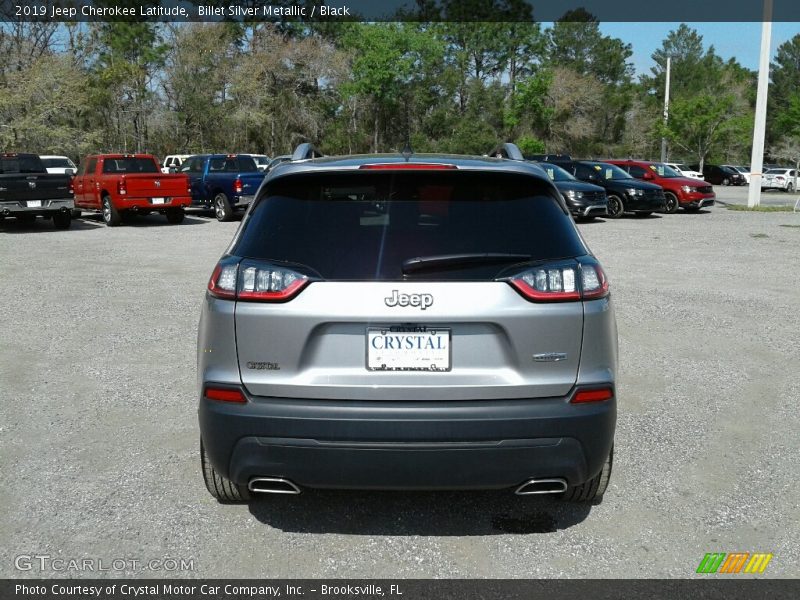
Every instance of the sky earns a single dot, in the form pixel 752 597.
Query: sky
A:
pixel 741 41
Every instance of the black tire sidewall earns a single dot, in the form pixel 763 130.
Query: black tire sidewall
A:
pixel 674 209
pixel 614 200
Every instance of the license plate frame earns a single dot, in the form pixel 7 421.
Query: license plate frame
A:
pixel 437 359
pixel 158 200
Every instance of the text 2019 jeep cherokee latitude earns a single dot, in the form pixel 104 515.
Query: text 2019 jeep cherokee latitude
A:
pixel 395 322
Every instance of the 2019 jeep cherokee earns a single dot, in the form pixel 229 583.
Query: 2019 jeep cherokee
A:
pixel 407 322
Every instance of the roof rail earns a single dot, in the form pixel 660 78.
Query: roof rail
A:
pixel 305 151
pixel 507 150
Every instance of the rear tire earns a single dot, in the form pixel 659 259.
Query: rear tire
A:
pixel 615 207
pixel 224 490
pixel 595 487
pixel 789 188
pixel 726 181
pixel 175 216
pixel 111 215
pixel 671 203
pixel 62 220
pixel 222 208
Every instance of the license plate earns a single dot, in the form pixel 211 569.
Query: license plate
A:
pixel 34 203
pixel 408 349
pixel 157 200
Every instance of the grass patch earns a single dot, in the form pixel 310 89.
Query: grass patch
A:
pixel 760 208
pixel 759 235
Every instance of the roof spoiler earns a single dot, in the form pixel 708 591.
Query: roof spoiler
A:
pixel 507 150
pixel 305 151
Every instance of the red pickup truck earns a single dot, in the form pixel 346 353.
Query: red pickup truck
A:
pixel 127 184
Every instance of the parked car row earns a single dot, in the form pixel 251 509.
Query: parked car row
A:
pixel 119 186
pixel 617 186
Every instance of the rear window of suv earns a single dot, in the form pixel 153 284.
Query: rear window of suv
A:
pixel 364 226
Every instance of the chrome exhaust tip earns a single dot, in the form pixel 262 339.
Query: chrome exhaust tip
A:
pixel 542 486
pixel 272 485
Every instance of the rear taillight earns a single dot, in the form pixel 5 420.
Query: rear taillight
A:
pixel 72 185
pixel 561 283
pixel 122 187
pixel 592 395
pixel 224 394
pixel 237 186
pixel 255 282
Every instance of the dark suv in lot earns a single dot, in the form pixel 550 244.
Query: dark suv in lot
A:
pixel 625 193
pixel 407 322
pixel 721 175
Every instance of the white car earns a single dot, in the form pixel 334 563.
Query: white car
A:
pixel 779 179
pixel 686 171
pixel 59 164
pixel 743 170
pixel 173 162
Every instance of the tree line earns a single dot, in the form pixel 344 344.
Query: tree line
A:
pixel 358 87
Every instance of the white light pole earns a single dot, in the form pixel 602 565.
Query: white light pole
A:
pixel 759 128
pixel 666 112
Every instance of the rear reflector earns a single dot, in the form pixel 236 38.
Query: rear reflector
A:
pixel 409 166
pixel 598 395
pixel 224 395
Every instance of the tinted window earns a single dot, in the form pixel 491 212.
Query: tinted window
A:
pixel 636 171
pixel 21 164
pixel 91 167
pixel 556 173
pixel 663 170
pixel 246 163
pixel 130 165
pixel 363 226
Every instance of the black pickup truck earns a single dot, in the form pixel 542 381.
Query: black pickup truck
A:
pixel 27 190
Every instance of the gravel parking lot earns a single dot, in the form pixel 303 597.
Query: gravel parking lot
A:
pixel 99 436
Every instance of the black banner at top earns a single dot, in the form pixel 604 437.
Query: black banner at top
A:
pixel 399 10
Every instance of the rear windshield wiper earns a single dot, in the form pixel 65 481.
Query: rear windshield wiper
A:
pixel 457 261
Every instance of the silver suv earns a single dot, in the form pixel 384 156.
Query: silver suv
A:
pixel 407 322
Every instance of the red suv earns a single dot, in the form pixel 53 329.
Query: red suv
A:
pixel 680 191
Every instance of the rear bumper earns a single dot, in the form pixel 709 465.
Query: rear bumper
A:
pixel 242 202
pixel 48 207
pixel 408 445
pixel 148 204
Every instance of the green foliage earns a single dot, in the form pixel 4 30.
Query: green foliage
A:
pixel 457 85
pixel 531 145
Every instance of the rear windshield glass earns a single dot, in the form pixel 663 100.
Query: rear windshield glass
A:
pixel 364 226
pixel 230 164
pixel 130 165
pixel 21 164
